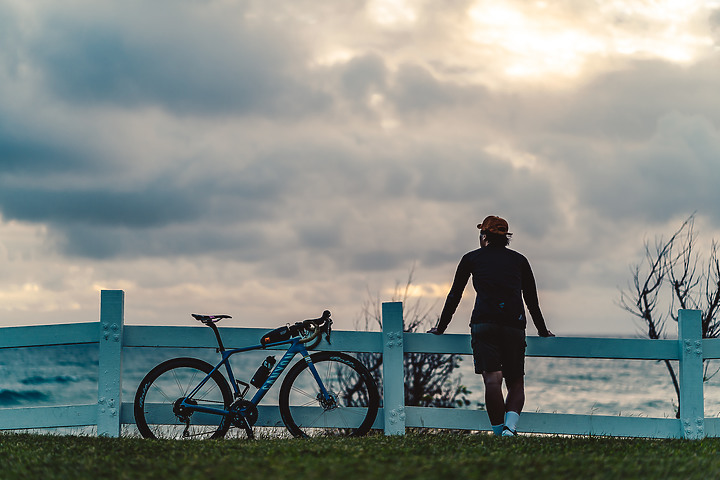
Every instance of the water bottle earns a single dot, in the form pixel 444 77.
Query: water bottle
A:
pixel 263 372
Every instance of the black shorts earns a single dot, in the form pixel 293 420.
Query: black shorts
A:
pixel 498 348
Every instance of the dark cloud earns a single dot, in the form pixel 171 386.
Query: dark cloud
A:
pixel 417 90
pixel 627 104
pixel 377 260
pixel 335 200
pixel 672 173
pixel 179 60
pixel 714 20
pixel 100 242
pixel 151 206
pixel 9 53
pixel 638 145
pixel 463 176
pixel 32 150
pixel 363 75
pixel 320 236
pixel 23 156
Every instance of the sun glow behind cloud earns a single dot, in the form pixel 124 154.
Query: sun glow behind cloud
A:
pixel 332 57
pixel 532 45
pixel 494 42
pixel 535 40
pixel 392 12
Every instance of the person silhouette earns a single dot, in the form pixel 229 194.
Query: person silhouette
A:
pixel 502 279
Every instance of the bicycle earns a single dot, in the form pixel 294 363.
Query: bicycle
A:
pixel 326 393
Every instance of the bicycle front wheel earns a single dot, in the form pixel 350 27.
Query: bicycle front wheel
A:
pixel 158 409
pixel 350 407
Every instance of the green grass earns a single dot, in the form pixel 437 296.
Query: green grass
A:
pixel 415 456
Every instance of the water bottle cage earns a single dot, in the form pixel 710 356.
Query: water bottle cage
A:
pixel 243 388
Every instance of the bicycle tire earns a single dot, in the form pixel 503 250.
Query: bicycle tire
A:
pixel 156 414
pixel 355 397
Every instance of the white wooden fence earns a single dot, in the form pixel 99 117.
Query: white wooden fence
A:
pixel 112 411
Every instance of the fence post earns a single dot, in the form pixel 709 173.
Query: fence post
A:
pixel 393 368
pixel 112 316
pixel 692 407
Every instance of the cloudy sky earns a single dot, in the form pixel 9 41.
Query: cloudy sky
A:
pixel 270 159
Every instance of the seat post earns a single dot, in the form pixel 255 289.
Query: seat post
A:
pixel 221 347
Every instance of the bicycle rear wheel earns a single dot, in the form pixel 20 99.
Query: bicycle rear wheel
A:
pixel 353 399
pixel 158 413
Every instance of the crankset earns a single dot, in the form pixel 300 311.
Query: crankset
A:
pixel 244 414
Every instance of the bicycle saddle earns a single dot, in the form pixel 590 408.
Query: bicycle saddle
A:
pixel 209 318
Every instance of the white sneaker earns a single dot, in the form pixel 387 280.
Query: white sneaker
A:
pixel 507 432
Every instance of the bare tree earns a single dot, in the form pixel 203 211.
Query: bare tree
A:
pixel 429 378
pixel 673 268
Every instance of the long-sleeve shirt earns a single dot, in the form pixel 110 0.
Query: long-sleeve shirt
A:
pixel 502 279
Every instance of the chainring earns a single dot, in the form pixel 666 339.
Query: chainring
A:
pixel 240 409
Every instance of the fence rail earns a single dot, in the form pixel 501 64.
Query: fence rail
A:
pixel 111 412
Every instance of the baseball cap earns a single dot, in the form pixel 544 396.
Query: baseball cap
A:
pixel 494 224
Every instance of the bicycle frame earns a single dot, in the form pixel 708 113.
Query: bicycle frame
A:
pixel 296 347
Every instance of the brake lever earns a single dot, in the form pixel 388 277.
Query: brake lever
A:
pixel 328 330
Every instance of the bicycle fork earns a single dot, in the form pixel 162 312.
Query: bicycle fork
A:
pixel 327 400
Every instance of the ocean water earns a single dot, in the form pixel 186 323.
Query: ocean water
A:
pixel 65 375
pixel 68 374
pixel 600 387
